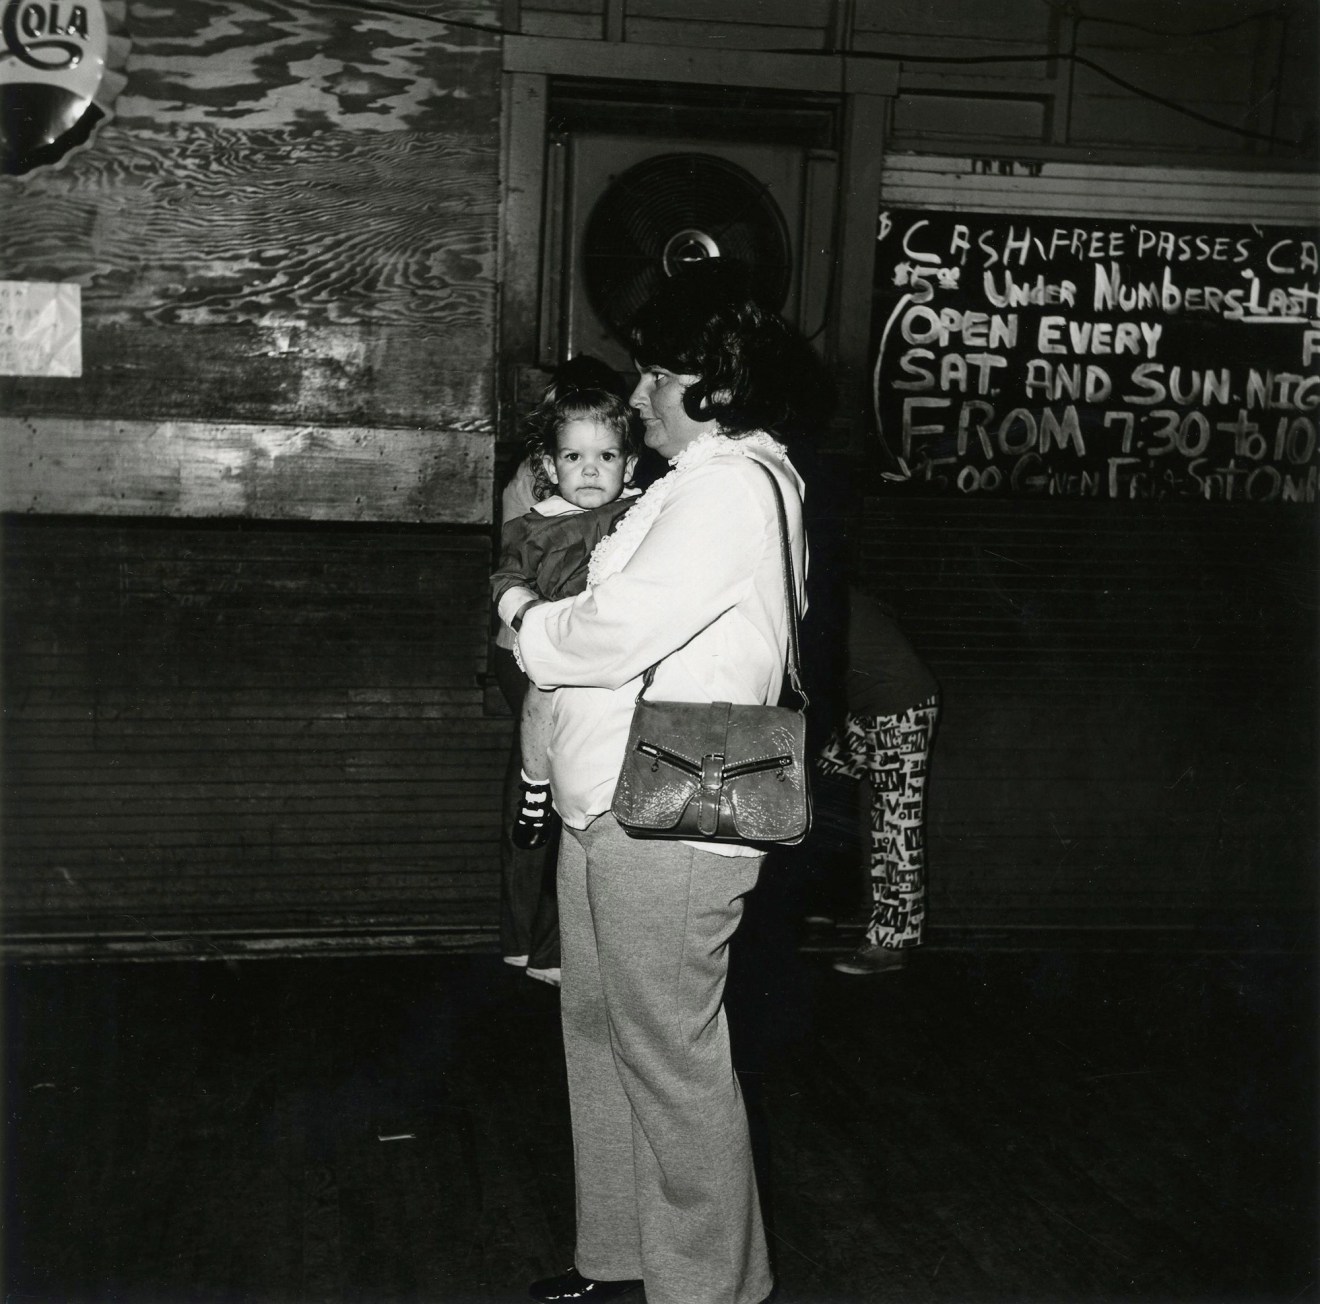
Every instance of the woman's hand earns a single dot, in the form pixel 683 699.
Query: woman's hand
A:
pixel 513 602
pixel 516 623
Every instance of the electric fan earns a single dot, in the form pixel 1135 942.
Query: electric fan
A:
pixel 677 208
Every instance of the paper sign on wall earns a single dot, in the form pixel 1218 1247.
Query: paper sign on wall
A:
pixel 40 328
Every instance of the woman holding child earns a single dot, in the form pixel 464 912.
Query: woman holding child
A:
pixel 690 581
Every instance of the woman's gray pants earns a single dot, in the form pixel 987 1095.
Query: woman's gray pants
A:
pixel 665 1186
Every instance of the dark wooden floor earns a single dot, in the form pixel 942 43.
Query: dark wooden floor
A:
pixel 980 1127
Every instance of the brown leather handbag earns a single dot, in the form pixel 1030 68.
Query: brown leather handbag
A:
pixel 716 771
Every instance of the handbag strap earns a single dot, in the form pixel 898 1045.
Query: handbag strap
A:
pixel 790 588
pixel 793 661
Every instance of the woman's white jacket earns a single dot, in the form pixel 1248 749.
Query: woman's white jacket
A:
pixel 702 595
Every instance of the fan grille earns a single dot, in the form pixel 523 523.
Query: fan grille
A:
pixel 675 208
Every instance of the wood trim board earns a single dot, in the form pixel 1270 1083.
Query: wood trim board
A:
pixel 632 61
pixel 230 469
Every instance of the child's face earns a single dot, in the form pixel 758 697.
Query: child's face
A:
pixel 590 467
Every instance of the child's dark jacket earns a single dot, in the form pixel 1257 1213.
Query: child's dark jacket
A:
pixel 548 548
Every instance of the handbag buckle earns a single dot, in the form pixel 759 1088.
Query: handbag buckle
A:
pixel 712 771
pixel 712 783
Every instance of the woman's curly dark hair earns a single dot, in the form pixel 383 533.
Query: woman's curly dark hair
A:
pixel 583 389
pixel 756 372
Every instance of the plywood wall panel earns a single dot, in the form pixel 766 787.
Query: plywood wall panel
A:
pixel 1121 122
pixel 270 276
pixel 725 35
pixel 930 117
pixel 582 8
pixel 952 21
pixel 290 221
pixel 816 14
pixel 255 64
pixel 570 26
pixel 1221 61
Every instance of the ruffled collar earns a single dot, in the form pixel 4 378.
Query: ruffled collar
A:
pixel 704 447
pixel 612 553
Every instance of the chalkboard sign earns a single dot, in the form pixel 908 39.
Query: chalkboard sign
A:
pixel 1018 355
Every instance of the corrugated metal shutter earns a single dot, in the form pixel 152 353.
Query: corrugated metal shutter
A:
pixel 222 738
pixel 1129 697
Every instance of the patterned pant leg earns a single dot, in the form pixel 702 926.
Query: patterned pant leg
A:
pixel 847 751
pixel 897 752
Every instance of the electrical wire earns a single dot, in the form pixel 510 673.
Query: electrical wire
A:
pixel 1074 12
pixel 1085 62
pixel 400 11
pixel 396 11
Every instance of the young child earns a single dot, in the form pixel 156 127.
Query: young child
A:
pixel 584 449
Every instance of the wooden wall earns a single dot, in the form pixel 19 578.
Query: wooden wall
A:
pixel 286 233
pixel 222 721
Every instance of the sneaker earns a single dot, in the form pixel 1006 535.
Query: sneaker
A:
pixel 871 959
pixel 518 961
pixel 551 976
pixel 532 827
